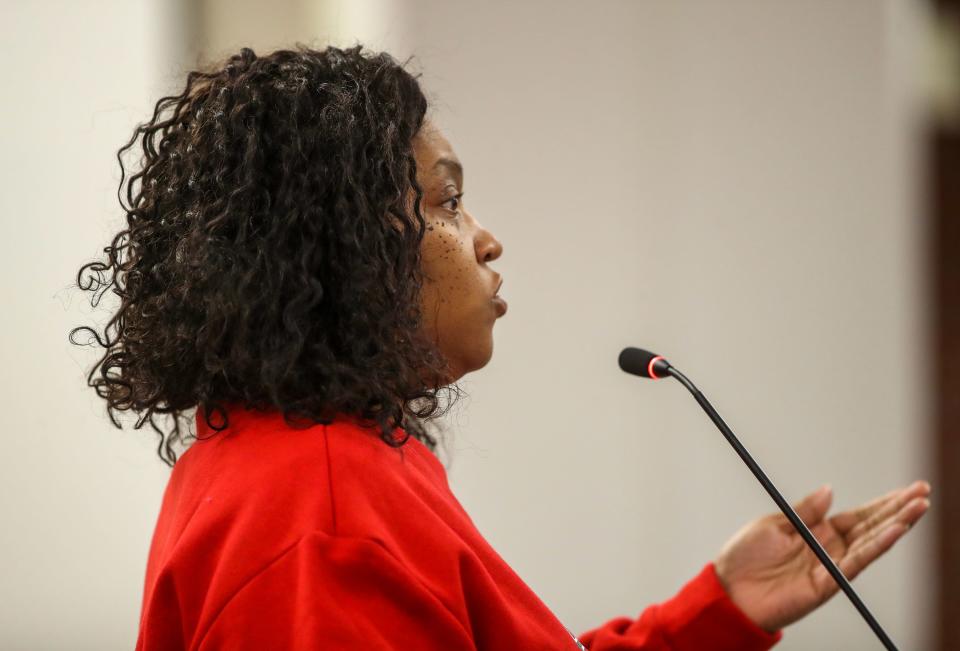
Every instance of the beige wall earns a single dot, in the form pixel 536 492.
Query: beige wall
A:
pixel 78 498
pixel 728 183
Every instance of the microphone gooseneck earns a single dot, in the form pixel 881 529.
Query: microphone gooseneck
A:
pixel 637 361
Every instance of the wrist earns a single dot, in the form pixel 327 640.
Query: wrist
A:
pixel 729 586
pixel 701 615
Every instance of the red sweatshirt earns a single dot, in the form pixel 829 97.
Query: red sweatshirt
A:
pixel 273 537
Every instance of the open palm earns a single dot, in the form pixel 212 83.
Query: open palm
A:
pixel 771 574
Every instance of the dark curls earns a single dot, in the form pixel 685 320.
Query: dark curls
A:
pixel 271 254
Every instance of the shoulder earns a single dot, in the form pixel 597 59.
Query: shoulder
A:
pixel 377 486
pixel 342 477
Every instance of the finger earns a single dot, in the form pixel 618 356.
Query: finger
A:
pixel 890 508
pixel 868 549
pixel 907 515
pixel 873 544
pixel 913 511
pixel 862 555
pixel 814 506
pixel 846 521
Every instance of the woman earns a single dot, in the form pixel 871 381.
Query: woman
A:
pixel 299 266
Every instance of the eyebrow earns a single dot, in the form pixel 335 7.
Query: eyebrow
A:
pixel 452 165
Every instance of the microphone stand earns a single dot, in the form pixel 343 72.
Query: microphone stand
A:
pixel 788 511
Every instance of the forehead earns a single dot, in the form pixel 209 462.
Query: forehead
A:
pixel 430 145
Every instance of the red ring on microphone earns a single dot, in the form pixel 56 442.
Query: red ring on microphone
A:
pixel 650 367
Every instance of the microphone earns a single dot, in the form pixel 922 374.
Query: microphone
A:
pixel 637 361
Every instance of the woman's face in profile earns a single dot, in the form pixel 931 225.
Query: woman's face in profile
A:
pixel 458 303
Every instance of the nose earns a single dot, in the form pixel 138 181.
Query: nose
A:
pixel 488 247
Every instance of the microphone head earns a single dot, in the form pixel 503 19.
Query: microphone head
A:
pixel 637 361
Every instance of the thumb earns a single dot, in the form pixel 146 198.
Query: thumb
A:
pixel 814 506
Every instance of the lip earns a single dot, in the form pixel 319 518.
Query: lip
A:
pixel 500 305
pixel 498 302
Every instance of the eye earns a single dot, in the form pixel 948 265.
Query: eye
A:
pixel 453 202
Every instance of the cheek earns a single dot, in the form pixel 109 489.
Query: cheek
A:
pixel 447 263
pixel 453 298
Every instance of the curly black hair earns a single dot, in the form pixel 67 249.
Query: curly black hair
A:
pixel 271 254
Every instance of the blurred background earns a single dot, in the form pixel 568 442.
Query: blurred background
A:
pixel 762 191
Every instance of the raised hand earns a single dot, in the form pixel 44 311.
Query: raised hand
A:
pixel 771 574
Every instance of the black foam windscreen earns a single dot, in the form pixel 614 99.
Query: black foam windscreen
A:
pixel 637 361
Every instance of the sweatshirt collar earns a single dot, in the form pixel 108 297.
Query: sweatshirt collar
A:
pixel 239 416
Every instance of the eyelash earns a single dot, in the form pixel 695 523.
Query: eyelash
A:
pixel 459 200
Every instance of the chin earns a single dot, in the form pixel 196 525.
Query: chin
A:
pixel 478 358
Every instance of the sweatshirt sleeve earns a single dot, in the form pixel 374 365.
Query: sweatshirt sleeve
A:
pixel 700 617
pixel 329 592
